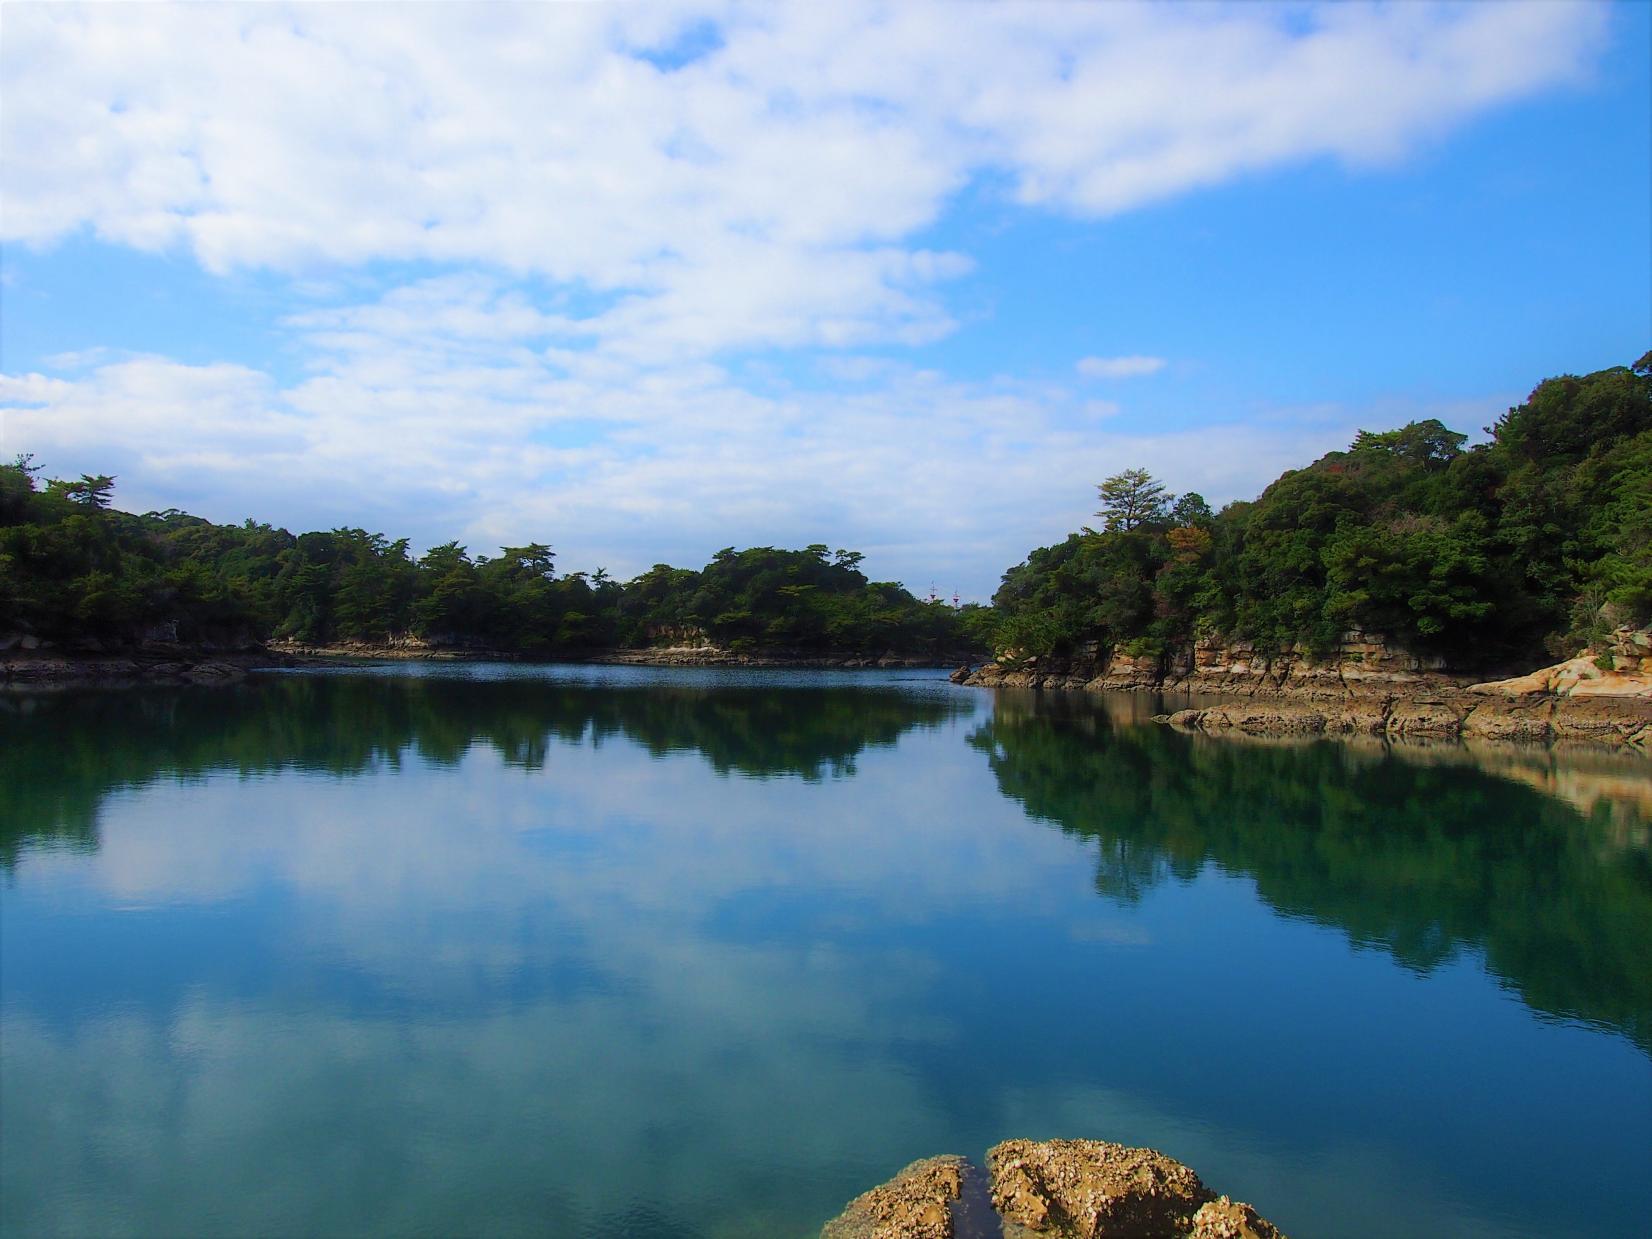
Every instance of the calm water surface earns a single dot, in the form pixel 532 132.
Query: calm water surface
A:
pixel 576 951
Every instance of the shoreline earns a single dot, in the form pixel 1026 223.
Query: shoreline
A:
pixel 1561 704
pixel 49 670
pixel 646 656
pixel 1314 702
pixel 45 669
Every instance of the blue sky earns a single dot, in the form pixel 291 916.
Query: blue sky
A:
pixel 645 281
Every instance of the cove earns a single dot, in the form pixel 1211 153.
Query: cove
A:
pixel 505 949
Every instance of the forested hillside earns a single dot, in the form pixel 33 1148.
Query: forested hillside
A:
pixel 1529 543
pixel 75 570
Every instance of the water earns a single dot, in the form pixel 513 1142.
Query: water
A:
pixel 500 950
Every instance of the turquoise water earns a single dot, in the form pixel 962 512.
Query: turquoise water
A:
pixel 578 951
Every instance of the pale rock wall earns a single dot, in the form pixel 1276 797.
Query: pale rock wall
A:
pixel 1369 686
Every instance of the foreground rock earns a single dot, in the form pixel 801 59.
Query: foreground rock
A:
pixel 1231 1219
pixel 915 1204
pixel 1075 1189
pixel 1090 1189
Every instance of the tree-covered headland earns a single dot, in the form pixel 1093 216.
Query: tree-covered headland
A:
pixel 1529 543
pixel 73 569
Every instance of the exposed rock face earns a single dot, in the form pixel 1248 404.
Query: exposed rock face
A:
pixel 1074 1189
pixel 915 1204
pixel 1090 1189
pixel 1582 676
pixel 1368 687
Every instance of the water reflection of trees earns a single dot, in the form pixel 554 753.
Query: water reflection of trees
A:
pixel 1424 853
pixel 61 755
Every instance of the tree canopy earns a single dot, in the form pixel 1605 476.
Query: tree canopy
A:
pixel 1500 551
pixel 72 568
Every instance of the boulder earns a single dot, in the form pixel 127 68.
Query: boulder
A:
pixel 1090 1189
pixel 1231 1219
pixel 915 1204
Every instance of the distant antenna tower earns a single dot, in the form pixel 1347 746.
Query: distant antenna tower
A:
pixel 954 600
pixel 933 596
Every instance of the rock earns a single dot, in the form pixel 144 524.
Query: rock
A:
pixel 1499 721
pixel 1090 1189
pixel 1428 717
pixel 1231 1219
pixel 1075 1189
pixel 1271 717
pixel 915 1204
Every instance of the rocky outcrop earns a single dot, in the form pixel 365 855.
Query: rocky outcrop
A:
pixel 1362 664
pixel 1075 1189
pixel 1460 715
pixel 1090 1189
pixel 915 1204
pixel 1369 688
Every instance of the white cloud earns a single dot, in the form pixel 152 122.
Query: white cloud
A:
pixel 440 411
pixel 1119 367
pixel 610 230
pixel 760 195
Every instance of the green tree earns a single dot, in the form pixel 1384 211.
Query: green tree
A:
pixel 1130 499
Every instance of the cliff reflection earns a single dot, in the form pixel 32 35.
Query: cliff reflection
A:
pixel 61 755
pixel 1423 852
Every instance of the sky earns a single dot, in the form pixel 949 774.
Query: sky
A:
pixel 644 281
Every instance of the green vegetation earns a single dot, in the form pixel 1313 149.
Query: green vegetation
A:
pixel 77 571
pixel 1482 555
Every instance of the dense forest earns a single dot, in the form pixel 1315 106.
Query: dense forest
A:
pixel 79 572
pixel 1533 541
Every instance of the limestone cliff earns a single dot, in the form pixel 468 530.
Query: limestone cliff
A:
pixel 1367 685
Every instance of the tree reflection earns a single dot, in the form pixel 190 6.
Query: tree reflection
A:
pixel 62 754
pixel 1424 853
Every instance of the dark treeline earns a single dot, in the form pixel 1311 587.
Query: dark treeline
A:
pixel 1418 853
pixel 75 570
pixel 62 754
pixel 1534 541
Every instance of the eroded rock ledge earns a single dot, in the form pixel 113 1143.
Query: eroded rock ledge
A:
pixel 1367 687
pixel 1075 1189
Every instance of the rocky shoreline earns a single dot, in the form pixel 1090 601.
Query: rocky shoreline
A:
pixel 40 665
pixel 697 654
pixel 1368 688
pixel 47 669
pixel 1078 1189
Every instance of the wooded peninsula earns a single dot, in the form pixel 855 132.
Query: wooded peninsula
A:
pixel 1536 542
